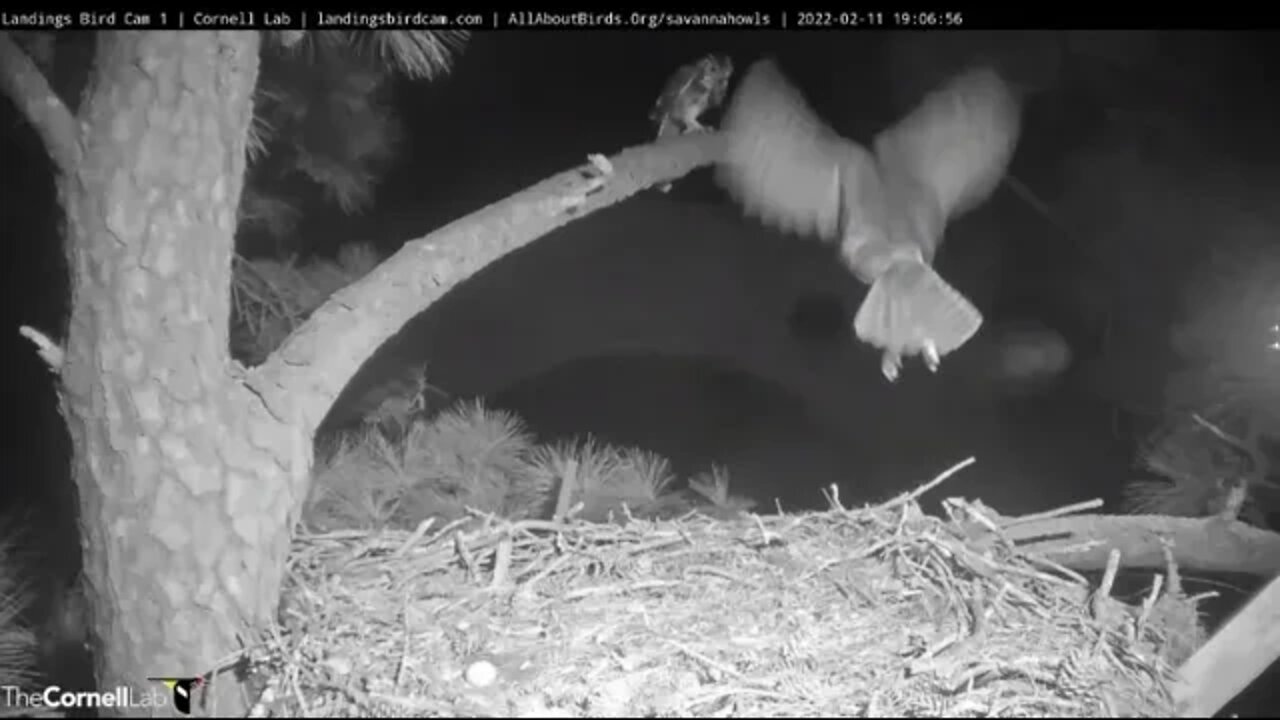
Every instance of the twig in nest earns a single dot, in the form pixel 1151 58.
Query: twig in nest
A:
pixel 1063 570
pixel 1103 605
pixel 406 637
pixel 767 539
pixel 915 494
pixel 501 563
pixel 707 662
pixel 413 539
pixel 461 548
pixel 552 567
pixel 1047 514
pixel 1109 577
pixel 1157 583
pixel 832 497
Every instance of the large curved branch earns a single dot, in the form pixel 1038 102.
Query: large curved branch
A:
pixel 23 83
pixel 303 377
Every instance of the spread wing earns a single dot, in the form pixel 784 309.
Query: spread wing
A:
pixel 955 146
pixel 784 165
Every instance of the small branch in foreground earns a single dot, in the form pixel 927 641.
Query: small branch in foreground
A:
pixel 27 87
pixel 1047 514
pixel 1234 657
pixel 1103 594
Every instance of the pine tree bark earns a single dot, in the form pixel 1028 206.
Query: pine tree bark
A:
pixel 186 484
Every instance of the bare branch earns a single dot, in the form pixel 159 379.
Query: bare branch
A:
pixel 23 83
pixel 1084 542
pixel 317 360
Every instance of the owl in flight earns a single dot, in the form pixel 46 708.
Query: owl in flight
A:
pixel 888 207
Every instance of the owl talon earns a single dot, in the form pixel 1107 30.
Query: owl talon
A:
pixel 891 365
pixel 930 354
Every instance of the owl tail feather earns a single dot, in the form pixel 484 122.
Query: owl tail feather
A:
pixel 911 309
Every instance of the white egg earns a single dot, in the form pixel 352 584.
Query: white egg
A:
pixel 481 673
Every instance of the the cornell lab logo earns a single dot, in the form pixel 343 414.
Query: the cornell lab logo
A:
pixel 182 689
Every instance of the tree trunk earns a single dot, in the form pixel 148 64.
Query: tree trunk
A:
pixel 187 487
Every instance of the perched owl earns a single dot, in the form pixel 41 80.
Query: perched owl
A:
pixel 691 91
pixel 888 207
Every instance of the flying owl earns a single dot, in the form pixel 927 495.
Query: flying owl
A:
pixel 888 207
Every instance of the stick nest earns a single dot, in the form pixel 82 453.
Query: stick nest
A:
pixel 878 611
